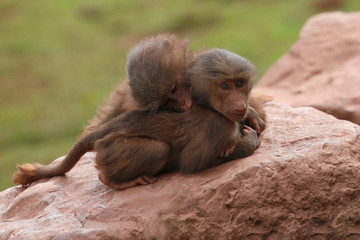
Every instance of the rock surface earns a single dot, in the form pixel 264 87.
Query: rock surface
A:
pixel 322 69
pixel 302 183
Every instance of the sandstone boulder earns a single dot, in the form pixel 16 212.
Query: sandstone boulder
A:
pixel 302 183
pixel 322 69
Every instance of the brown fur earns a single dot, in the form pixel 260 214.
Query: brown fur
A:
pixel 136 145
pixel 155 69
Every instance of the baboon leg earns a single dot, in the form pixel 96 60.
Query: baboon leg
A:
pixel 126 161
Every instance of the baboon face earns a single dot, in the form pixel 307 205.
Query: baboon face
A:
pixel 156 71
pixel 230 98
pixel 179 97
pixel 229 80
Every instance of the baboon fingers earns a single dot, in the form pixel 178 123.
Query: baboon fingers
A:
pixel 145 180
pixel 254 124
pixel 247 130
pixel 142 180
pixel 224 153
pixel 228 151
pixel 149 179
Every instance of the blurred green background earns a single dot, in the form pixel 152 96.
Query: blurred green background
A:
pixel 59 60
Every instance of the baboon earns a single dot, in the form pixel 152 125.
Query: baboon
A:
pixel 155 79
pixel 155 73
pixel 134 146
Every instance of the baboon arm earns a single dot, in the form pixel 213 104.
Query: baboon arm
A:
pixel 254 120
pixel 256 116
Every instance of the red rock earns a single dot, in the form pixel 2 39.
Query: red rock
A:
pixel 322 69
pixel 302 183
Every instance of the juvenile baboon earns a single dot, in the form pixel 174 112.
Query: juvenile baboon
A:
pixel 155 79
pixel 134 146
pixel 155 73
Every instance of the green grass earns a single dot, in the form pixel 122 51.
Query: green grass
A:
pixel 59 60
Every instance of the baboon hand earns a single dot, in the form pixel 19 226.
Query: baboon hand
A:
pixel 251 136
pixel 256 123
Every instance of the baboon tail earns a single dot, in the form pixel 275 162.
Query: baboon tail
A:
pixel 28 173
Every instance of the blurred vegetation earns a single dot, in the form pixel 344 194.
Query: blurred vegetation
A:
pixel 59 60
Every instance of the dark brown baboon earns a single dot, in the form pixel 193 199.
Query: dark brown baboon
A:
pixel 155 69
pixel 136 145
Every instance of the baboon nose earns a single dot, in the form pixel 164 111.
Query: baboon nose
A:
pixel 240 108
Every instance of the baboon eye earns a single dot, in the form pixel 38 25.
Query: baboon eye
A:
pixel 225 86
pixel 174 89
pixel 240 84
